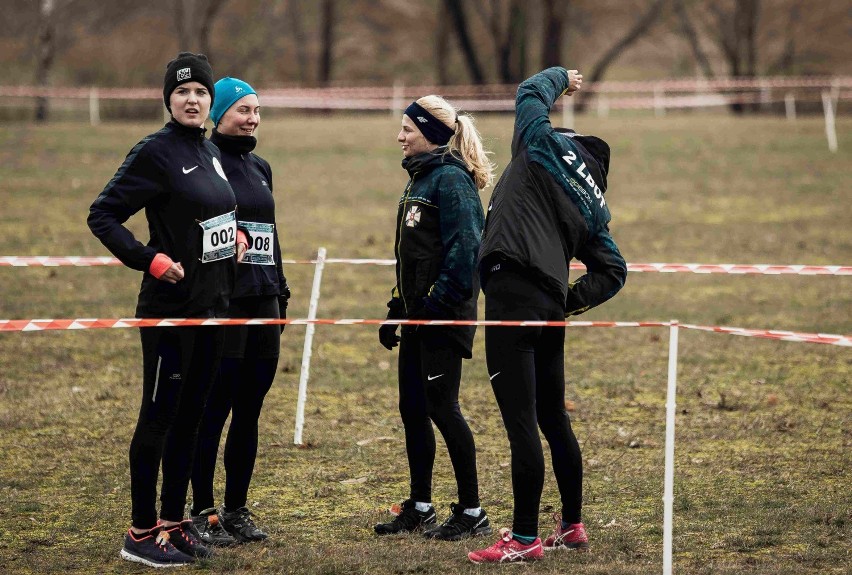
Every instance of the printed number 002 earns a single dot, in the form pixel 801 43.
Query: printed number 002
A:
pixel 222 237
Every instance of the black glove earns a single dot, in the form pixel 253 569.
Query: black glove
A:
pixel 387 335
pixel 428 309
pixel 283 300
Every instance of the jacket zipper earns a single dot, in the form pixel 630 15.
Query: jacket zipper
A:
pixel 405 196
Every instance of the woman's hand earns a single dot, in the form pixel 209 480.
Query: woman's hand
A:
pixel 575 81
pixel 242 245
pixel 174 274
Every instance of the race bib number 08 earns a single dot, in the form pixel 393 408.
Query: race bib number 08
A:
pixel 262 241
pixel 220 237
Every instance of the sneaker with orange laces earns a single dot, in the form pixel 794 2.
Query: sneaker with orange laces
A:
pixel 571 537
pixel 508 550
pixel 185 537
pixel 152 548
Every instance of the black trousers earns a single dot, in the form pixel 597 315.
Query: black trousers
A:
pixel 244 378
pixel 178 365
pixel 430 371
pixel 527 370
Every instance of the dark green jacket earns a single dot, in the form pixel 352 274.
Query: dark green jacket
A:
pixel 438 227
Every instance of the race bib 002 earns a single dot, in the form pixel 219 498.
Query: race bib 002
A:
pixel 262 242
pixel 220 237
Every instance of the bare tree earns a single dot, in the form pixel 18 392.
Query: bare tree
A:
pixel 297 26
pixel 691 35
pixel 45 54
pixel 194 22
pixel 551 40
pixel 442 38
pixel 506 22
pixel 786 60
pixel 641 27
pixel 732 26
pixel 208 15
pixel 326 41
pixel 455 8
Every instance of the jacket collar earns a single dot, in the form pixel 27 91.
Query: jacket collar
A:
pixel 428 161
pixel 233 144
pixel 186 131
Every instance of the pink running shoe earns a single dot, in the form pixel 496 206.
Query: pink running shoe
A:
pixel 507 550
pixel 571 537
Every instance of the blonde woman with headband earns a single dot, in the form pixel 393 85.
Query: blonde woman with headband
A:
pixel 438 226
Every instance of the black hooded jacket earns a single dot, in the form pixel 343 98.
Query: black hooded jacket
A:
pixel 548 206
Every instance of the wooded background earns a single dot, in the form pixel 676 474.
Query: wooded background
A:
pixel 275 43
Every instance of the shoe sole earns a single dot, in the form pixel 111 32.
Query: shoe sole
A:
pixel 579 548
pixel 524 560
pixel 467 535
pixel 128 556
pixel 422 528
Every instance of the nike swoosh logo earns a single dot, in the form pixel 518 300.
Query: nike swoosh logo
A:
pixel 431 377
pixel 495 375
pixel 185 171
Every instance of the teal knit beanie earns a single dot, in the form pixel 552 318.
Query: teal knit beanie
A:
pixel 228 91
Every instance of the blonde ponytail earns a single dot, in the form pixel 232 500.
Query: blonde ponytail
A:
pixel 466 141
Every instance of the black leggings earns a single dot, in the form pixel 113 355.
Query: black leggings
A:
pixel 178 367
pixel 527 370
pixel 245 377
pixel 430 371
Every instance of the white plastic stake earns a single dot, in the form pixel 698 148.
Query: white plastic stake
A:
pixel 567 112
pixel 668 486
pixel 397 102
pixel 306 352
pixel 659 102
pixel 790 106
pixel 94 107
pixel 603 106
pixel 828 109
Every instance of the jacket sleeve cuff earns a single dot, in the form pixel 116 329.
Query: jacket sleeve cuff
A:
pixel 160 265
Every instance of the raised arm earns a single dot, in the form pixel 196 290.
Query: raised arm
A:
pixel 535 98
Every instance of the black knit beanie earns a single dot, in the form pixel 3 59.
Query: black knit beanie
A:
pixel 187 67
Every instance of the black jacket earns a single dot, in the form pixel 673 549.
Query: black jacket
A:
pixel 177 177
pixel 251 179
pixel 548 206
pixel 438 226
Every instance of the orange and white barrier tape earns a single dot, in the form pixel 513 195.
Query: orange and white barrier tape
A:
pixel 766 269
pixel 92 323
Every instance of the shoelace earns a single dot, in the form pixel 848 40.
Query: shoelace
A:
pixel 162 540
pixel 409 518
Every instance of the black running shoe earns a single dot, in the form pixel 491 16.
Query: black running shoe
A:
pixel 186 538
pixel 460 525
pixel 240 525
pixel 153 549
pixel 210 529
pixel 408 520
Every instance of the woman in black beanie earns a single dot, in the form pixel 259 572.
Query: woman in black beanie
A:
pixel 189 264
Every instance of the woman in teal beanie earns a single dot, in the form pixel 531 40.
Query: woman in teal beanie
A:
pixel 251 352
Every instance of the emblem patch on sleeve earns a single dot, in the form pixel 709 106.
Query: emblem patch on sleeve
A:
pixel 412 218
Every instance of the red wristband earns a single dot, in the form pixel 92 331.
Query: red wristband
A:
pixel 160 265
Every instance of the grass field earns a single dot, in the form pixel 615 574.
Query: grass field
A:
pixel 764 447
